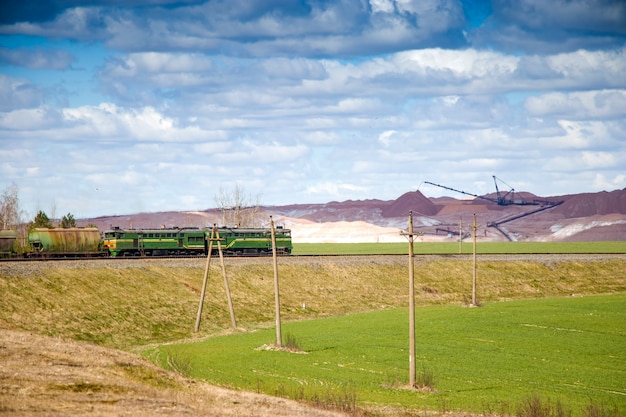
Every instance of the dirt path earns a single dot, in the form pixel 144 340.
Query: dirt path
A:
pixel 46 376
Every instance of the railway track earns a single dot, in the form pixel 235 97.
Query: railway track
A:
pixel 12 268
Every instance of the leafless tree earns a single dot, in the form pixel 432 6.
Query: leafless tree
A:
pixel 238 208
pixel 10 213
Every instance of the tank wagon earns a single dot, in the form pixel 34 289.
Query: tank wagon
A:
pixel 194 241
pixel 69 242
pixel 7 239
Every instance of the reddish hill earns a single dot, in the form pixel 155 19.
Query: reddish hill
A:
pixel 591 204
pixel 413 200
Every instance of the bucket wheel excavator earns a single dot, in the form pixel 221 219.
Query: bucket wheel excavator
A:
pixel 507 199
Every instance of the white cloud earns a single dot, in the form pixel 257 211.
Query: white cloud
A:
pixel 598 160
pixel 385 137
pixel 18 93
pixel 336 190
pixel 582 105
pixel 382 6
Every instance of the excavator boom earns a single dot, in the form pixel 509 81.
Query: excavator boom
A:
pixel 493 200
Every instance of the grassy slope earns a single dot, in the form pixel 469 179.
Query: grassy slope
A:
pixel 129 307
pixel 567 349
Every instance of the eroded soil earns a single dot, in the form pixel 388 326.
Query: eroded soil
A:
pixel 44 376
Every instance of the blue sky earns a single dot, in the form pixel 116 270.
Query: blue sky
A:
pixel 115 107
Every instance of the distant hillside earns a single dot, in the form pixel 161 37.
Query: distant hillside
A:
pixel 584 217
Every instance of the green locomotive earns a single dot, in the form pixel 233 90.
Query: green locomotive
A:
pixel 252 241
pixel 194 241
pixel 155 242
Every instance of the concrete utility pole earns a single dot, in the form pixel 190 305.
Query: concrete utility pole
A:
pixel 411 237
pixel 279 337
pixel 460 235
pixel 474 303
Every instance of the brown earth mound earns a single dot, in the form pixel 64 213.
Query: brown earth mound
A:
pixel 591 204
pixel 47 376
pixel 415 201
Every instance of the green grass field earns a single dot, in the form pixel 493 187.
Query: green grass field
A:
pixel 548 326
pixel 444 248
pixel 483 360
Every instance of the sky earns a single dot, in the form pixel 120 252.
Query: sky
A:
pixel 118 107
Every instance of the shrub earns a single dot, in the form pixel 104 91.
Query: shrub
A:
pixel 291 343
pixel 535 406
pixel 599 410
pixel 425 379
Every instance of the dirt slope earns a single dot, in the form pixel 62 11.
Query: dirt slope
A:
pixel 46 376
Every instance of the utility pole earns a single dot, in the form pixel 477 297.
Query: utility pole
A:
pixel 279 337
pixel 460 235
pixel 215 236
pixel 474 303
pixel 226 287
pixel 205 279
pixel 411 237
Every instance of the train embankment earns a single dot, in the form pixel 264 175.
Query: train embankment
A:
pixel 127 303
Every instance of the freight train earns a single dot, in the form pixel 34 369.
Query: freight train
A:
pixel 119 242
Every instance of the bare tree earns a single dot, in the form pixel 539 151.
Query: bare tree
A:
pixel 53 211
pixel 238 208
pixel 10 214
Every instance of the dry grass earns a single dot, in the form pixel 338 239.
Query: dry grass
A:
pixel 126 305
pixel 55 377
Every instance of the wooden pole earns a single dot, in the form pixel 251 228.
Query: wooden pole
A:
pixel 474 265
pixel 412 366
pixel 279 337
pixel 411 303
pixel 460 235
pixel 230 301
pixel 204 280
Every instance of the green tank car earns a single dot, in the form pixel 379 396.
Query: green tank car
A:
pixel 65 242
